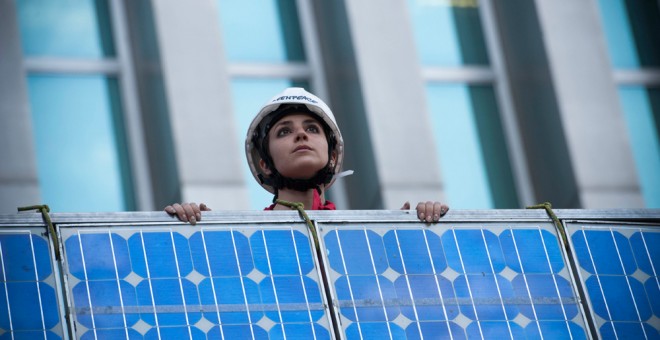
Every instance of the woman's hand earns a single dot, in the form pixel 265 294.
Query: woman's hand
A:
pixel 429 212
pixel 187 212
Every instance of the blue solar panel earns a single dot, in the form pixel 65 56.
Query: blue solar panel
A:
pixel 396 279
pixel 619 266
pixel 29 305
pixel 230 282
pixel 491 281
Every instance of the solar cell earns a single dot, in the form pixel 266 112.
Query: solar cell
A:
pixel 29 305
pixel 619 266
pixel 461 280
pixel 188 282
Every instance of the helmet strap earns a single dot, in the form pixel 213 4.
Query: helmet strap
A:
pixel 277 181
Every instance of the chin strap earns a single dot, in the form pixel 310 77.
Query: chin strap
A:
pixel 277 181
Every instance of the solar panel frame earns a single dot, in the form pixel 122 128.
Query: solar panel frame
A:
pixel 588 268
pixel 290 222
pixel 36 231
pixel 334 224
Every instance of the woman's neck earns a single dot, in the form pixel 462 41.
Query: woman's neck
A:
pixel 305 197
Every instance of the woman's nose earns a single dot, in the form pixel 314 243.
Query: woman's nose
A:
pixel 301 134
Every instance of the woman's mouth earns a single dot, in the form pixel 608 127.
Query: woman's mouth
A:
pixel 302 148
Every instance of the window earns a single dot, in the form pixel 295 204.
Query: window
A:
pixel 75 82
pixel 448 33
pixel 641 108
pixel 79 134
pixel 271 35
pixel 460 89
pixel 632 29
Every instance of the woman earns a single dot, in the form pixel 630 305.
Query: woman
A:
pixel 295 151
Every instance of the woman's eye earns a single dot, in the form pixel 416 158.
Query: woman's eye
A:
pixel 313 129
pixel 283 132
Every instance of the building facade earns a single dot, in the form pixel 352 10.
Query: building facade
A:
pixel 131 105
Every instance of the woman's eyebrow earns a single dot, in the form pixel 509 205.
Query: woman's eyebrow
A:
pixel 288 122
pixel 283 122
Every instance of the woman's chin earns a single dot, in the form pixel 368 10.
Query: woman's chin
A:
pixel 302 172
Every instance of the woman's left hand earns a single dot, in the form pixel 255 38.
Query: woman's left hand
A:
pixel 429 212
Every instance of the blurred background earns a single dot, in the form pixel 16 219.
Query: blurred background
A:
pixel 121 105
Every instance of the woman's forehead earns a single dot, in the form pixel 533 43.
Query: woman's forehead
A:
pixel 297 116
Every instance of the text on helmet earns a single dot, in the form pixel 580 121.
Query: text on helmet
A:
pixel 305 98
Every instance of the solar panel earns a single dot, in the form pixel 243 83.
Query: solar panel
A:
pixel 258 276
pixel 619 266
pixel 29 295
pixel 401 280
pixel 214 281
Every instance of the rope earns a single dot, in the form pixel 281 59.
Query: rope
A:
pixel 573 264
pixel 548 209
pixel 44 209
pixel 300 207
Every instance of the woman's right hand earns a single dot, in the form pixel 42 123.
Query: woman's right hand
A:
pixel 187 212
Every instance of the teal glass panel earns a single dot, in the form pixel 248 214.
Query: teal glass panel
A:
pixel 266 31
pixel 448 32
pixel 641 107
pixel 471 148
pixel 249 95
pixel 65 28
pixel 81 152
pixel 632 29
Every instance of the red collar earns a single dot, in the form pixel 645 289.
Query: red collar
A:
pixel 316 204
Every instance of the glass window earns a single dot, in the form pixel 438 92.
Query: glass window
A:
pixel 249 96
pixel 448 32
pixel 641 107
pixel 265 31
pixel 471 146
pixel 632 29
pixel 81 156
pixel 65 28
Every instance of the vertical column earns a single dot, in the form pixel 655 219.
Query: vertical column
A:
pixel 588 102
pixel 198 94
pixel 393 95
pixel 19 183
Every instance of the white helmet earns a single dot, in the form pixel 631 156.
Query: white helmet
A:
pixel 261 124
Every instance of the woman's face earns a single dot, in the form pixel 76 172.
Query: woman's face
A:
pixel 298 146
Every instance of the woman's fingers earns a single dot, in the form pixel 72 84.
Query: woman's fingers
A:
pixel 431 211
pixel 187 212
pixel 421 211
pixel 439 210
pixel 196 215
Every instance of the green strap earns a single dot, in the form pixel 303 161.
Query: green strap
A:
pixel 548 209
pixel 570 259
pixel 300 207
pixel 44 209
